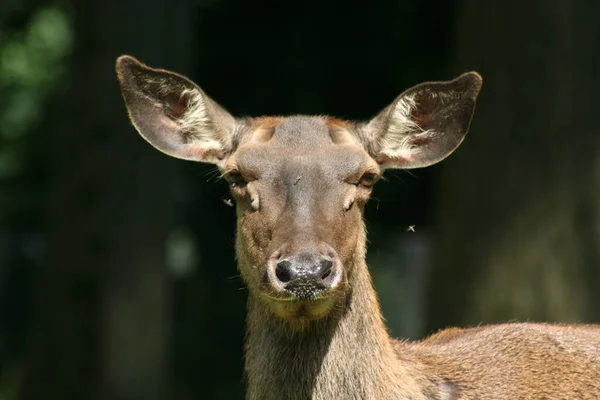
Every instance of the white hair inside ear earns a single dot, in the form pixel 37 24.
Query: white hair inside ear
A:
pixel 197 122
pixel 404 131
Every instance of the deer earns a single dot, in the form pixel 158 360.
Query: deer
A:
pixel 300 183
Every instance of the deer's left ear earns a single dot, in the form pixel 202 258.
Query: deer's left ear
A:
pixel 423 125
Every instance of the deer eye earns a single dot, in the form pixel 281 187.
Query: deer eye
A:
pixel 235 179
pixel 368 179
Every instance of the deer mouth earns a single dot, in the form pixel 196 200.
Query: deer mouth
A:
pixel 294 309
pixel 306 303
pixel 299 297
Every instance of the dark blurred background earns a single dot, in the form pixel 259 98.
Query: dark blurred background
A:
pixel 117 272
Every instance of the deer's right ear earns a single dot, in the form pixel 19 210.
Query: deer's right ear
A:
pixel 173 114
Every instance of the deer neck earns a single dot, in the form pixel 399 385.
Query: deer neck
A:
pixel 345 356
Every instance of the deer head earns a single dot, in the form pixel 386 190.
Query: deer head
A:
pixel 300 183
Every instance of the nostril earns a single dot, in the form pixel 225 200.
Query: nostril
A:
pixel 283 275
pixel 283 271
pixel 326 268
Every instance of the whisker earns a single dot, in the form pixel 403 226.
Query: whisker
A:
pixel 214 176
pixel 410 173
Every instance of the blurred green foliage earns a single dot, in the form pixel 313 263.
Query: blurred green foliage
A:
pixel 31 67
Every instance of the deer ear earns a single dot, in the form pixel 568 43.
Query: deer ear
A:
pixel 173 114
pixel 423 125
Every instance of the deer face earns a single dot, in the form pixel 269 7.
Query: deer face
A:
pixel 300 183
pixel 300 186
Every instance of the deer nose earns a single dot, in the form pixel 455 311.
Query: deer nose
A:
pixel 305 275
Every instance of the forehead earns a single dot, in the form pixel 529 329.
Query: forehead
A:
pixel 297 143
pixel 309 133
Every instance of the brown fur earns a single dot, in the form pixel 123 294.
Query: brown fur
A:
pixel 337 123
pixel 350 356
pixel 301 184
pixel 266 122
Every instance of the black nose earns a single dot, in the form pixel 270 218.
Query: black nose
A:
pixel 305 275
